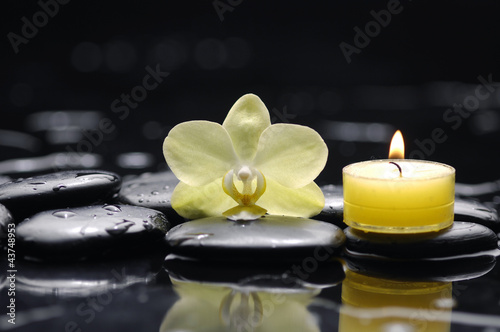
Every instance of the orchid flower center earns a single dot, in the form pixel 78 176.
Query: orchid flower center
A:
pixel 247 176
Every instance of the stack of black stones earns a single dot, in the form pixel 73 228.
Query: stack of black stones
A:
pixel 92 215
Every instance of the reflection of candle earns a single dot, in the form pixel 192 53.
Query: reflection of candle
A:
pixel 374 304
pixel 398 195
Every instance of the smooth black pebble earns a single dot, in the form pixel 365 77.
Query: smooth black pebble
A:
pixel 462 238
pixel 90 231
pixel 153 191
pixel 333 211
pixel 473 211
pixel 24 197
pixel 5 220
pixel 424 269
pixel 462 251
pixel 267 238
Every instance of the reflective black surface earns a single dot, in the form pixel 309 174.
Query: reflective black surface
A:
pixel 99 85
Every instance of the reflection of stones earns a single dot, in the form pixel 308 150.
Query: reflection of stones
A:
pixel 24 197
pixel 215 307
pixel 83 279
pixel 463 251
pixel 264 239
pixel 153 191
pixel 90 231
pixel 333 211
pixel 271 274
pixel 414 306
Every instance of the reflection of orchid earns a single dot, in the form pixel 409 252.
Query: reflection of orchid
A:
pixel 245 159
pixel 213 307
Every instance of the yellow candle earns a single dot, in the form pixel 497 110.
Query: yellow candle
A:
pixel 398 195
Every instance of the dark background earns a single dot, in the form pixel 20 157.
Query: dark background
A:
pixel 427 59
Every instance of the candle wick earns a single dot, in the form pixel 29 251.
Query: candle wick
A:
pixel 399 167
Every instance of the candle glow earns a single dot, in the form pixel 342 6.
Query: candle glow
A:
pixel 398 195
pixel 397 148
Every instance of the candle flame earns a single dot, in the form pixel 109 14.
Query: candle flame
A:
pixel 397 149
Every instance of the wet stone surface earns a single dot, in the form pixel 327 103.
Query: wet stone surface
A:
pixel 474 211
pixel 90 231
pixel 268 238
pixel 444 269
pixel 333 212
pixel 151 190
pixel 462 238
pixel 5 219
pixel 24 197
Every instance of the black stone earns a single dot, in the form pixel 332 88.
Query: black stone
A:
pixel 425 269
pixel 333 212
pixel 462 238
pixel 153 191
pixel 107 230
pixel 24 197
pixel 473 211
pixel 267 238
pixel 4 179
pixel 270 274
pixel 5 220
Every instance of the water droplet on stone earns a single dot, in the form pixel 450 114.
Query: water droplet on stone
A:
pixel 120 227
pixel 166 187
pixel 64 214
pixel 37 183
pixel 112 208
pixel 163 201
pixel 141 200
pixel 154 192
pixel 148 226
pixel 59 187
pixel 90 176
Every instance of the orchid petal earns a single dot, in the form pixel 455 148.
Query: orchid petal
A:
pixel 245 122
pixel 199 152
pixel 292 155
pixel 202 201
pixel 307 201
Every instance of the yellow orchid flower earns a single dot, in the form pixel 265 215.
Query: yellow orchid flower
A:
pixel 245 160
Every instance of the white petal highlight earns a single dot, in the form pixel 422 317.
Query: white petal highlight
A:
pixel 199 152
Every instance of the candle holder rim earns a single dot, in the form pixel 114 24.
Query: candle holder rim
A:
pixel 451 168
